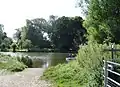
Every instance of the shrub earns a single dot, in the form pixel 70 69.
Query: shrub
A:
pixel 26 60
pixel 11 63
pixel 85 71
pixel 64 75
pixel 13 66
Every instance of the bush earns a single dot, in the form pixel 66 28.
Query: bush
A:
pixel 11 63
pixel 85 71
pixel 13 66
pixel 64 75
pixel 26 60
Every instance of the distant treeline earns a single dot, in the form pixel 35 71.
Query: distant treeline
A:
pixel 63 34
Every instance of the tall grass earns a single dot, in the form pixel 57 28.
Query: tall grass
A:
pixel 85 71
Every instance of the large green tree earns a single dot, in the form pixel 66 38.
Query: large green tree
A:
pixel 103 20
pixel 68 33
pixel 36 30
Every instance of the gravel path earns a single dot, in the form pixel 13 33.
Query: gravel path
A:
pixel 27 78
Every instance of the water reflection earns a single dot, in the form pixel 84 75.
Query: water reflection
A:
pixel 45 65
pixel 42 60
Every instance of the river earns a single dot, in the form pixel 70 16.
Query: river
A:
pixel 42 60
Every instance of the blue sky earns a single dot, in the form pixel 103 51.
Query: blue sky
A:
pixel 14 12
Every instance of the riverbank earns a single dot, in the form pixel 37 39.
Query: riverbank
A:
pixel 14 72
pixel 47 50
pixel 11 64
pixel 64 75
pixel 35 50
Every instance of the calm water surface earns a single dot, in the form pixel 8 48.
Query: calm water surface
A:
pixel 42 60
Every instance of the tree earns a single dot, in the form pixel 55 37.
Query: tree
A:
pixel 27 44
pixel 22 36
pixel 7 41
pixel 1 32
pixel 102 22
pixel 17 35
pixel 63 33
pixel 68 33
pixel 33 31
pixel 3 47
pixel 14 46
pixel 36 28
pixel 84 5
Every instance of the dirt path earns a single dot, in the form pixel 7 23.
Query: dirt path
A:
pixel 27 78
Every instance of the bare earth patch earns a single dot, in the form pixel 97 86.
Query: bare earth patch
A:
pixel 27 78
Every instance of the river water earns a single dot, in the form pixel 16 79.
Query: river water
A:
pixel 42 60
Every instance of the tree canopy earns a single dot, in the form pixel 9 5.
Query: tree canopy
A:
pixel 63 33
pixel 5 41
pixel 68 33
pixel 102 22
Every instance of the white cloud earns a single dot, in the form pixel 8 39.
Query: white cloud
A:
pixel 14 12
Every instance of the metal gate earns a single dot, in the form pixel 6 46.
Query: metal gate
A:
pixel 111 74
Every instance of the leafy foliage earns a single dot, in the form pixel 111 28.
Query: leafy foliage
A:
pixel 62 33
pixel 68 33
pixel 11 63
pixel 86 71
pixel 65 75
pixel 5 41
pixel 102 22
pixel 25 60
pixel 27 44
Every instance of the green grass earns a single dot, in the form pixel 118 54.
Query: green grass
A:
pixel 11 63
pixel 67 75
pixel 86 71
pixel 64 75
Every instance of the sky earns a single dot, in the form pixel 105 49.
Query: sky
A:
pixel 13 13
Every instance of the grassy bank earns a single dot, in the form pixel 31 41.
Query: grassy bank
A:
pixel 86 71
pixel 65 75
pixel 11 64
